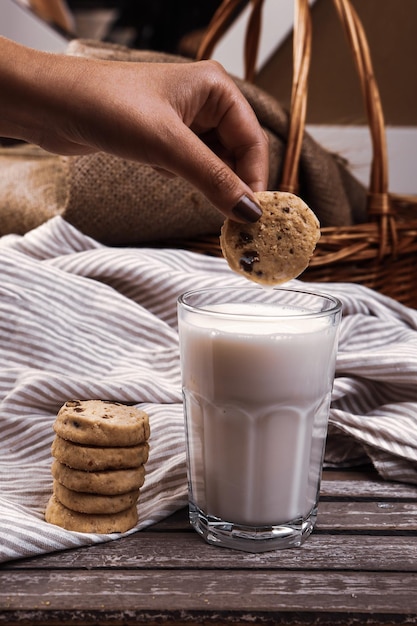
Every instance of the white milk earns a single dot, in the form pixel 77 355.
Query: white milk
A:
pixel 257 395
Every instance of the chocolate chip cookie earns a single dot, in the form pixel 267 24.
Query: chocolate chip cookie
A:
pixel 276 248
pixel 102 423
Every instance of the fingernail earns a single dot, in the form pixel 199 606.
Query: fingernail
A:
pixel 247 210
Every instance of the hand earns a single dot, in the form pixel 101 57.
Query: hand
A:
pixel 186 119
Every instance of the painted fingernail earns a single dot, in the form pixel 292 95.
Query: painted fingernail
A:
pixel 247 210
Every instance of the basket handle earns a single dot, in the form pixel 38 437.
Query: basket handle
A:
pixel 302 36
pixel 219 24
pixel 379 200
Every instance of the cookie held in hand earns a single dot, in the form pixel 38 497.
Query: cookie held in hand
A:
pixel 276 248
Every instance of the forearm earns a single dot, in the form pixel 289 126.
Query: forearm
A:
pixel 161 114
pixel 35 92
pixel 21 91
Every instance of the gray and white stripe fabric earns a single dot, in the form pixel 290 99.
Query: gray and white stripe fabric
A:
pixel 82 320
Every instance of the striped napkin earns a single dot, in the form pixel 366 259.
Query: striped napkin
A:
pixel 82 320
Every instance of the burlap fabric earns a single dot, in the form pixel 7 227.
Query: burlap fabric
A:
pixel 120 202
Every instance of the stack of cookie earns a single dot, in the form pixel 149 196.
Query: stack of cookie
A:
pixel 99 451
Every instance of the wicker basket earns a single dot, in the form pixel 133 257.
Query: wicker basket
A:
pixel 382 252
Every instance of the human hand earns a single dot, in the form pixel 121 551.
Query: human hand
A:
pixel 186 119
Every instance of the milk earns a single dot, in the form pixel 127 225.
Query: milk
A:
pixel 257 393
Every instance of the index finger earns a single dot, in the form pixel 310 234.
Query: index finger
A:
pixel 241 134
pixel 227 111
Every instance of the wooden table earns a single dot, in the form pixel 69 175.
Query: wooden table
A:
pixel 358 567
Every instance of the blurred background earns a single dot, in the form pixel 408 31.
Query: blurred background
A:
pixel 335 115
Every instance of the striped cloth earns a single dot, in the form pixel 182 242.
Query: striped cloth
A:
pixel 82 320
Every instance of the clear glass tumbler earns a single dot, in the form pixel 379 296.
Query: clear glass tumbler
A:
pixel 257 369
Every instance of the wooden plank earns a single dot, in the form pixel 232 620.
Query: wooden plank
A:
pixel 357 485
pixel 178 521
pixel 355 515
pixel 364 473
pixel 132 593
pixel 185 552
pixel 367 516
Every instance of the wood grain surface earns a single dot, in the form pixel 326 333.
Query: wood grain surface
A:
pixel 358 567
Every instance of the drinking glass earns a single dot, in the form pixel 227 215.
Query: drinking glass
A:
pixel 257 374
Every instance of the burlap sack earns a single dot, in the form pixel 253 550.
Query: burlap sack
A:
pixel 120 202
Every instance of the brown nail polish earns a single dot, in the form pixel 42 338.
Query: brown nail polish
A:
pixel 247 210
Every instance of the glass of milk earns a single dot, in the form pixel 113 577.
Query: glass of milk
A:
pixel 257 374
